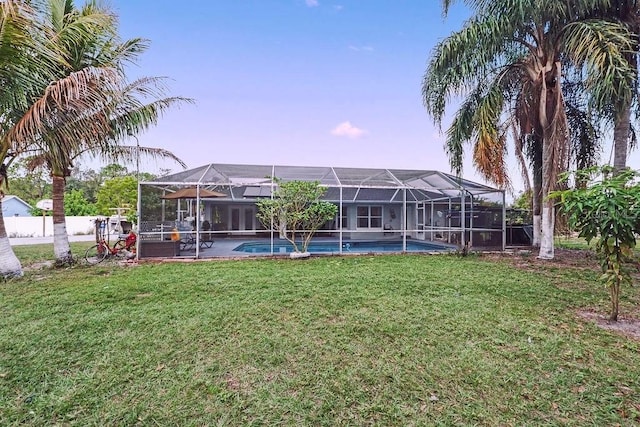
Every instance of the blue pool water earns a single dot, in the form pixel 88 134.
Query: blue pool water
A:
pixel 333 247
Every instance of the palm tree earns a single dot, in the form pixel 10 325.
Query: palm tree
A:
pixel 627 12
pixel 25 61
pixel 81 103
pixel 124 114
pixel 514 50
pixel 119 110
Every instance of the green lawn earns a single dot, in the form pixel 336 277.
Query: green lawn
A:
pixel 384 340
pixel 571 242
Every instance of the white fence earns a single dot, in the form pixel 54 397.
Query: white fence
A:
pixel 37 226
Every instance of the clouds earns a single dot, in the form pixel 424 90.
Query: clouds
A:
pixel 316 3
pixel 361 48
pixel 348 130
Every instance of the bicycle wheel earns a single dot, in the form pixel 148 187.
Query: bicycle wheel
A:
pixel 119 247
pixel 96 253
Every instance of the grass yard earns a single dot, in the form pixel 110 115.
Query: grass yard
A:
pixel 573 242
pixel 35 254
pixel 368 340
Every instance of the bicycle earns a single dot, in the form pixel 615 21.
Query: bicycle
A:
pixel 101 250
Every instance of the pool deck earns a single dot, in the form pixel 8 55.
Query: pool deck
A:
pixel 223 247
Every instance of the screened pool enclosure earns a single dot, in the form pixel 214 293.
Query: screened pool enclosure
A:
pixel 210 211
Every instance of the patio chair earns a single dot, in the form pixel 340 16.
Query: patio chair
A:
pixel 185 235
pixel 206 241
pixel 206 237
pixel 187 241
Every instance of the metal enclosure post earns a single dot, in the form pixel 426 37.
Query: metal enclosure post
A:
pixel 197 216
pixel 138 219
pixel 340 212
pixel 272 187
pixel 432 221
pixel 504 222
pixel 463 218
pixel 404 220
pixel 471 221
pixel 448 218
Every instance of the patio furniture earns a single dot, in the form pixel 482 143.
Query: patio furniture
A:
pixel 187 241
pixel 159 249
pixel 206 237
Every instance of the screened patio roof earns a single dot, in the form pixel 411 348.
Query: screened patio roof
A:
pixel 421 184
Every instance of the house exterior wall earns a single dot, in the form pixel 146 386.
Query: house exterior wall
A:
pixel 14 207
pixel 406 204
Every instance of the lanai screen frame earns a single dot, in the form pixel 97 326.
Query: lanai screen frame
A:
pixel 421 186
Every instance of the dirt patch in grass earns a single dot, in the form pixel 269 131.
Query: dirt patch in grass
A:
pixel 580 261
pixel 38 266
pixel 625 326
pixel 527 259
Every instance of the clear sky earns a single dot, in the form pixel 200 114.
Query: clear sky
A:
pixel 294 82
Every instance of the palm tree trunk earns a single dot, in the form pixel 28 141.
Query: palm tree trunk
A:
pixel 548 211
pixel 548 115
pixel 548 228
pixel 622 126
pixel 9 263
pixel 621 132
pixel 61 247
pixel 536 196
pixel 522 163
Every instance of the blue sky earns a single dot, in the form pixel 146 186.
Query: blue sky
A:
pixel 294 82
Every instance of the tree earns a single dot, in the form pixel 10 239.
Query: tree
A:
pixel 48 98
pixel 296 211
pixel 25 61
pixel 523 201
pixel 115 111
pixel 514 51
pixel 44 101
pixel 609 210
pixel 87 181
pixel 627 12
pixel 31 186
pixel 76 204
pixel 117 192
pixel 113 170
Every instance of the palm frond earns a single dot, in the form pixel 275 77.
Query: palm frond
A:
pixel 24 56
pixel 479 120
pixel 73 96
pixel 600 47
pixel 459 61
pixel 129 154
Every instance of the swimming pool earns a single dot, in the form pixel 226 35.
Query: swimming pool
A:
pixel 347 247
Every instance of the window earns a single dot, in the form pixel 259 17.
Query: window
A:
pixel 369 216
pixel 345 217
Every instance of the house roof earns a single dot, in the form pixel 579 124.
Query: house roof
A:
pixel 18 199
pixel 356 183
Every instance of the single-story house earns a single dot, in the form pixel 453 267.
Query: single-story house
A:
pixel 410 207
pixel 15 206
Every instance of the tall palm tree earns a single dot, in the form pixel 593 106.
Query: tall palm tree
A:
pixel 47 101
pixel 120 110
pixel 515 50
pixel 25 62
pixel 627 12
pixel 124 113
